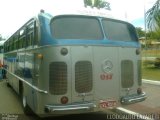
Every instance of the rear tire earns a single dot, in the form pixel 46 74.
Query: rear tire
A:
pixel 8 85
pixel 26 109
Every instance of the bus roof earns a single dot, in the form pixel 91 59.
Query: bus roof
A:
pixel 84 11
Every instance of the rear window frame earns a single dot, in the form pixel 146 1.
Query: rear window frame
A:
pixel 82 16
pixel 123 22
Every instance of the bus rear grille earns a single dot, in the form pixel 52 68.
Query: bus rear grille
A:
pixel 58 78
pixel 83 77
pixel 127 73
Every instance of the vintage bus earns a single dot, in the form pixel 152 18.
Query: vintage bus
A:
pixel 71 64
pixel 1 51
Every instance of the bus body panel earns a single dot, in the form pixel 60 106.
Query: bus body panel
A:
pixel 106 73
pixel 101 81
pixel 83 82
pixel 130 59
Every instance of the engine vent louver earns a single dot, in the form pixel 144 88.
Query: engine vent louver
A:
pixel 83 77
pixel 127 73
pixel 58 78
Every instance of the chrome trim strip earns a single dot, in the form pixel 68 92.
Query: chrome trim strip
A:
pixel 133 98
pixel 58 108
pixel 136 99
pixel 27 83
pixel 66 109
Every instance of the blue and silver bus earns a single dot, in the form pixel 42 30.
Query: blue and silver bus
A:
pixel 70 64
pixel 1 51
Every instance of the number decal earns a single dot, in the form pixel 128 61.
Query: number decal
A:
pixel 106 76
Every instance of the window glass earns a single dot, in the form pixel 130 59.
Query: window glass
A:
pixel 1 49
pixel 119 31
pixel 76 27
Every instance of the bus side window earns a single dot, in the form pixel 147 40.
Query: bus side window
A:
pixel 29 38
pixel 16 42
pixel 22 39
pixel 35 34
pixel 31 29
pixel 13 40
pixel 4 46
pixel 10 45
pixel 20 43
pixel 1 49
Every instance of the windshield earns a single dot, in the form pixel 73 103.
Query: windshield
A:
pixel 76 27
pixel 119 31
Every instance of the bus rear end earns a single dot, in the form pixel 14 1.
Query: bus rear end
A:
pixel 93 64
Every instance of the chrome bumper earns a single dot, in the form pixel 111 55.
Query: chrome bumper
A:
pixel 63 108
pixel 133 98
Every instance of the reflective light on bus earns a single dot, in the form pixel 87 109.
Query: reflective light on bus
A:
pixel 40 56
pixel 64 100
pixel 64 51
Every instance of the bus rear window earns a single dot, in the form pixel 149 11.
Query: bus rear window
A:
pixel 76 27
pixel 119 31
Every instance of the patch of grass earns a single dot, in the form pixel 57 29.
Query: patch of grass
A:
pixel 151 73
pixel 151 53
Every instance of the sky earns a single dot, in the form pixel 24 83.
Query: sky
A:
pixel 14 13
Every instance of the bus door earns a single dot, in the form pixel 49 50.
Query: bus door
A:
pixel 83 74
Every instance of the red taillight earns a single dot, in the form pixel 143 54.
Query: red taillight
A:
pixel 139 91
pixel 64 100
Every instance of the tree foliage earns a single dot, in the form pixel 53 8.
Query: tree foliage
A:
pixel 153 20
pixel 97 3
pixel 151 35
pixel 140 32
pixel 153 17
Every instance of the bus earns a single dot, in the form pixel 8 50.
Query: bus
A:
pixel 73 63
pixel 1 59
pixel 1 51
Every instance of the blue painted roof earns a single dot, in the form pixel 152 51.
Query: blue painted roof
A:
pixel 47 39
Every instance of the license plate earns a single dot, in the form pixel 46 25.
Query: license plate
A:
pixel 108 104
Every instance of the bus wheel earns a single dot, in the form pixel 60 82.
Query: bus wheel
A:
pixel 8 85
pixel 26 109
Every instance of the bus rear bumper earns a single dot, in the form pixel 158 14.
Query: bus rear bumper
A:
pixel 133 98
pixel 69 108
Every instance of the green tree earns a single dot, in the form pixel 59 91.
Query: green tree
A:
pixel 97 3
pixel 153 17
pixel 141 33
pixel 87 3
pixel 152 35
pixel 153 20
